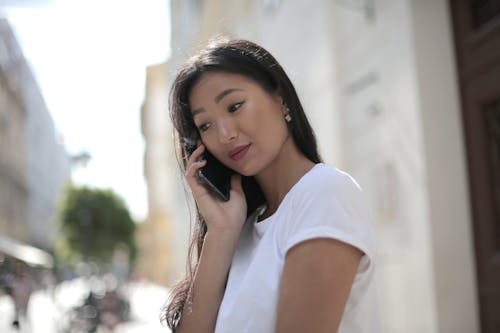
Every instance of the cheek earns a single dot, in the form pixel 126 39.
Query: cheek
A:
pixel 274 128
pixel 267 120
pixel 214 149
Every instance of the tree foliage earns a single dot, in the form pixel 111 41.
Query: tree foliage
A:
pixel 94 222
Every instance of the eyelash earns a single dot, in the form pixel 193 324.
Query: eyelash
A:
pixel 234 107
pixel 203 127
pixel 231 109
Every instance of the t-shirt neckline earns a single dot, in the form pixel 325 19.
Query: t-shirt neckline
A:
pixel 262 226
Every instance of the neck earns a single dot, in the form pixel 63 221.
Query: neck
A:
pixel 282 174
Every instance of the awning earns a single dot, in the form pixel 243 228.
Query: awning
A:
pixel 29 254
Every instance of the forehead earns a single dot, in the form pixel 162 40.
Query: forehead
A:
pixel 212 83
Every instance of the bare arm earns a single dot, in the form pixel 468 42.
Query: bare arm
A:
pixel 224 222
pixel 209 283
pixel 315 285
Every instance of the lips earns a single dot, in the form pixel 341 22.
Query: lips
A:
pixel 239 152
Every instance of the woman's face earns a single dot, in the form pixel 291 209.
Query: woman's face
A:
pixel 239 122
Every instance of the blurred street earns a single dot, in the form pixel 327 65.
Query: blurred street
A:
pixel 51 312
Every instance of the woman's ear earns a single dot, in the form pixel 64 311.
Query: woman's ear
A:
pixel 279 99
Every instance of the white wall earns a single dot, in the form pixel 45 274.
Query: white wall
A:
pixel 382 137
pixel 444 149
pixel 403 141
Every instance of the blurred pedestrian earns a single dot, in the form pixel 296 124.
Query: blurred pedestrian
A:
pixel 22 289
pixel 18 284
pixel 290 247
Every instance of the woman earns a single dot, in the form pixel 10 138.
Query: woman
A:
pixel 292 249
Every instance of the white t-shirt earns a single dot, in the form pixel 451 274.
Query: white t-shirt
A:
pixel 325 202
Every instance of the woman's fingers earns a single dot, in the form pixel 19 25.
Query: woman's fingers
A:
pixel 193 168
pixel 194 162
pixel 195 156
pixel 193 165
pixel 224 213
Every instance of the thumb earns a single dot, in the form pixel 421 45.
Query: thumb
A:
pixel 236 183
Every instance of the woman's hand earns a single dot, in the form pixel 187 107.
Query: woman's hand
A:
pixel 219 215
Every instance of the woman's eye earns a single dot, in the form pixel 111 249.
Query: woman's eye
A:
pixel 203 127
pixel 235 106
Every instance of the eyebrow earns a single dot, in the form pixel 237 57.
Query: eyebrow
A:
pixel 217 99
pixel 224 93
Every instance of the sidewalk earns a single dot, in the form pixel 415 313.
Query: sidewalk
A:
pixel 146 300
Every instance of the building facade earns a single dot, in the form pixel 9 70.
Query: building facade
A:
pixel 162 236
pixel 34 165
pixel 14 189
pixel 404 96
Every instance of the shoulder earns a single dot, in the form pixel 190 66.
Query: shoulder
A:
pixel 327 203
pixel 326 182
pixel 325 195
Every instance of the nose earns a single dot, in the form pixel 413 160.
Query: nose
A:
pixel 227 130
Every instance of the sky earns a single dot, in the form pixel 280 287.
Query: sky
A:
pixel 89 58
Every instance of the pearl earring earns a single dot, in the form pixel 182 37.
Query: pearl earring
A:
pixel 288 117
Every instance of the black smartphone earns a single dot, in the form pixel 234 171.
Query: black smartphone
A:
pixel 214 175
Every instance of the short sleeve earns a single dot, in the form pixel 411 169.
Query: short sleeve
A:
pixel 330 205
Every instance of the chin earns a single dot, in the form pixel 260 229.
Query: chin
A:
pixel 247 174
pixel 244 170
pixel 249 170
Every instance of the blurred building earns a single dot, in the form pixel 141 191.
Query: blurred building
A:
pixel 14 193
pixel 404 95
pixel 48 166
pixel 33 162
pixel 161 240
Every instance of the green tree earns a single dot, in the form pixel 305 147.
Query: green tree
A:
pixel 94 222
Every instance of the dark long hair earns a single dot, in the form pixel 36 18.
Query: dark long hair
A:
pixel 250 60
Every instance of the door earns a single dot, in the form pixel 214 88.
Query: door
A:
pixel 476 25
